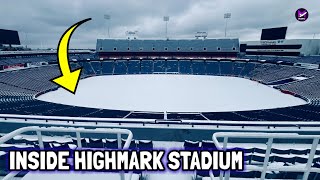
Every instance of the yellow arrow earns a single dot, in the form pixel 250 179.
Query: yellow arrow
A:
pixel 68 80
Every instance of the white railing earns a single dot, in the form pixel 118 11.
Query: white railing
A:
pixel 287 126
pixel 77 131
pixel 270 137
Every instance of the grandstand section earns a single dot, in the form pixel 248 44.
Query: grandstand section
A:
pixel 34 57
pixel 170 130
pixel 25 84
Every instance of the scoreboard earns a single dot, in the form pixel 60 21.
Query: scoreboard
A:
pixel 9 37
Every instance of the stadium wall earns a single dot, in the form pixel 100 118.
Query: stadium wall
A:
pixel 170 47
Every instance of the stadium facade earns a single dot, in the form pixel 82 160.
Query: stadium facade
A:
pixel 167 48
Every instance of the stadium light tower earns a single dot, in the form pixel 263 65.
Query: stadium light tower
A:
pixel 26 39
pixel 226 17
pixel 107 17
pixel 166 19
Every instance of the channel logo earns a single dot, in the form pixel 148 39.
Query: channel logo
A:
pixel 302 14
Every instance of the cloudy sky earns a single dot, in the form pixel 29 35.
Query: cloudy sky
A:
pixel 41 22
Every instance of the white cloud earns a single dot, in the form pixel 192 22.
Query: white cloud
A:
pixel 43 22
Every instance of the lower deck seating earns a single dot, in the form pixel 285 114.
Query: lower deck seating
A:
pixel 17 88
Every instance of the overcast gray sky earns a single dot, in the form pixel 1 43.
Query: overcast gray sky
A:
pixel 44 21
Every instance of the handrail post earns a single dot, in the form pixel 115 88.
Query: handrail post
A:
pixel 119 140
pixel 266 159
pixel 119 147
pixel 79 139
pixel 225 142
pixel 40 139
pixel 226 173
pixel 310 159
pixel 215 141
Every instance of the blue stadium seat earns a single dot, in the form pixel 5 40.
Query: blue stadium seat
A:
pixel 189 145
pixel 134 67
pixel 208 145
pixel 107 67
pixel 96 67
pixel 132 146
pixel 226 68
pixel 213 68
pixel 146 67
pixel 160 66
pixel 96 143
pixel 145 145
pixel 120 67
pixel 198 67
pixel 111 144
pixel 172 66
pixel 185 67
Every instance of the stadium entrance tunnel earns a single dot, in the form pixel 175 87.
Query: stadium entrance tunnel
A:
pixel 172 93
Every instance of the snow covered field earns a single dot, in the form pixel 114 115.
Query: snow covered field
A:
pixel 172 93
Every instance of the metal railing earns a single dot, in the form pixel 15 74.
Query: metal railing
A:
pixel 77 131
pixel 307 169
pixel 216 124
